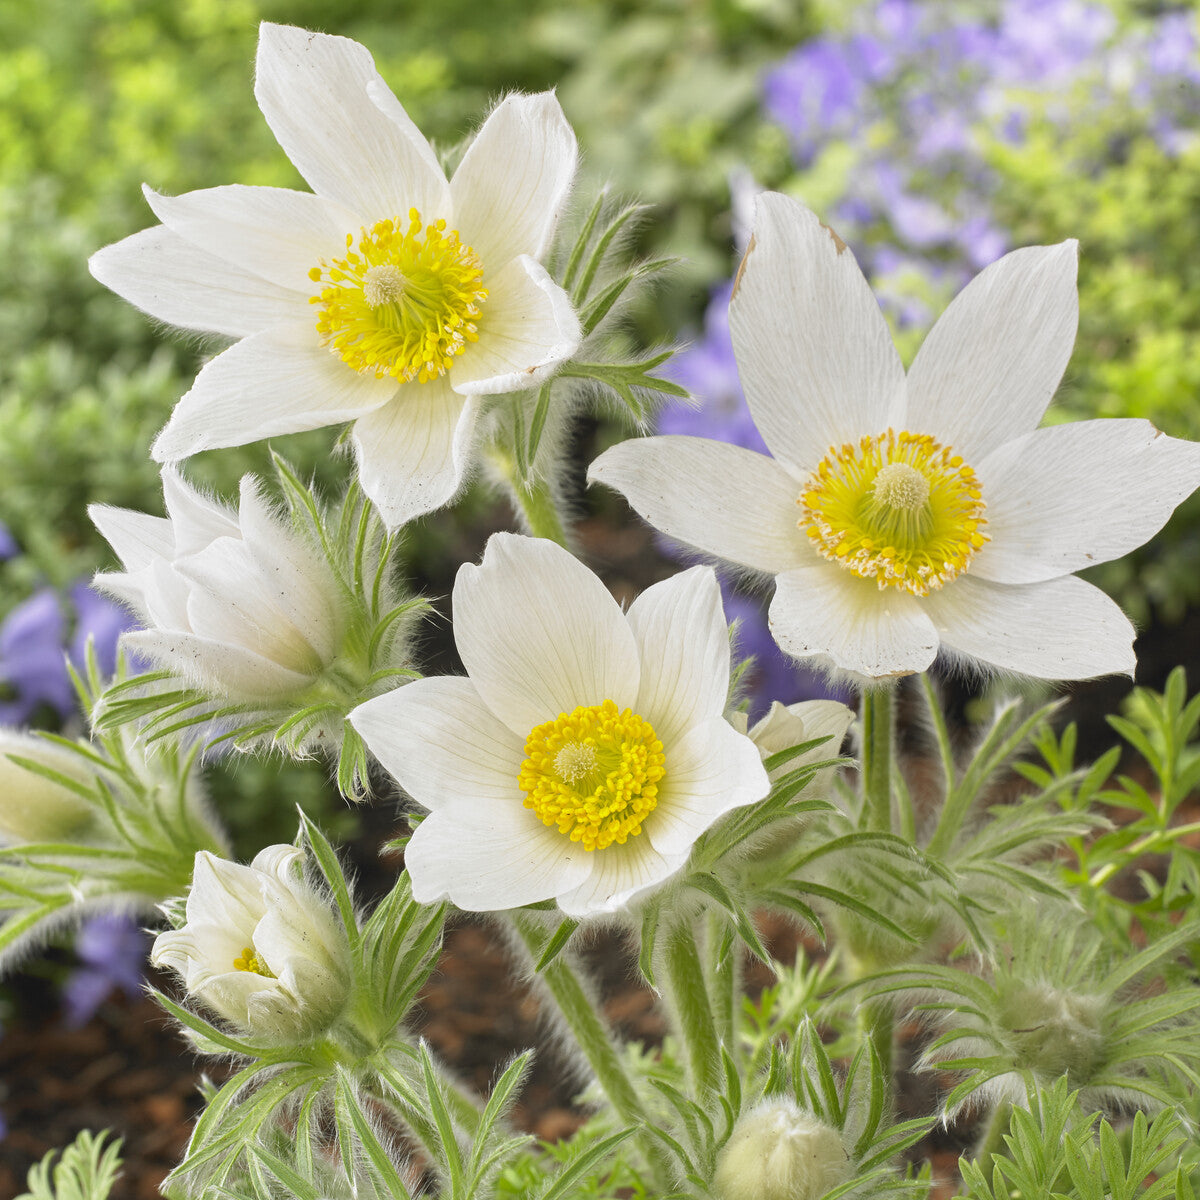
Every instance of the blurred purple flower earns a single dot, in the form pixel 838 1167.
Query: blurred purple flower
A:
pixel 8 544
pixel 31 660
pixel 816 94
pixel 102 619
pixel 112 950
pixel 708 370
pixel 34 646
pixel 772 676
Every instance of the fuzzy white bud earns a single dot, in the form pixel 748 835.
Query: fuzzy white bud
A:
pixel 260 947
pixel 785 727
pixel 779 1152
pixel 235 602
pixel 32 807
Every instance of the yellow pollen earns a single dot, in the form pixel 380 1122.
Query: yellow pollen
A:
pixel 403 302
pixel 594 773
pixel 899 508
pixel 249 961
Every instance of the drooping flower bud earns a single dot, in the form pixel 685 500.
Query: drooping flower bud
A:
pixel 779 1152
pixel 786 726
pixel 260 947
pixel 33 807
pixel 236 603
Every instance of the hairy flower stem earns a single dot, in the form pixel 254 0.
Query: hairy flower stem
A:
pixel 686 992
pixel 875 1020
pixel 532 499
pixel 877 719
pixel 585 1024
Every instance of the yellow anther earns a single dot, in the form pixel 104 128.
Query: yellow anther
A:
pixel 901 509
pixel 594 773
pixel 249 961
pixel 404 303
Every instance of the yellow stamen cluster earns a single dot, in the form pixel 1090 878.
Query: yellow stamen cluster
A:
pixel 594 773
pixel 899 508
pixel 249 961
pixel 403 303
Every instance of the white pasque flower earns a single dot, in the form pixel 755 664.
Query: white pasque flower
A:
pixel 236 603
pixel 586 750
pixel 260 947
pixel 388 296
pixel 900 515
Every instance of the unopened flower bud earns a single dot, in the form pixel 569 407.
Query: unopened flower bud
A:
pixel 237 603
pixel 260 947
pixel 779 1152
pixel 32 807
pixel 1056 1032
pixel 786 726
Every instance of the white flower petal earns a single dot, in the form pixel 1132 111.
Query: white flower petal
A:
pixel 991 364
pixel 442 743
pixel 275 233
pixel 539 634
pixel 275 382
pixel 784 727
pixel 828 613
pixel 814 353
pixel 300 585
pixel 527 328
pixel 1066 497
pixel 214 666
pixel 1059 629
pixel 196 519
pixel 166 276
pixel 683 645
pixel 232 600
pixel 619 874
pixel 137 538
pixel 414 452
pixel 512 184
pixel 325 103
pixel 490 858
pixel 724 500
pixel 711 770
pixel 224 894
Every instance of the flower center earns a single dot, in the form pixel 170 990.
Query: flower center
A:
pixel 403 302
pixel 899 508
pixel 249 961
pixel 593 772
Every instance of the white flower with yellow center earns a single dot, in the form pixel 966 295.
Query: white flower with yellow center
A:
pixel 234 602
pixel 260 947
pixel 903 516
pixel 587 748
pixel 388 296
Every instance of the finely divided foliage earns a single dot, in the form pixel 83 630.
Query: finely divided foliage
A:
pixel 1019 929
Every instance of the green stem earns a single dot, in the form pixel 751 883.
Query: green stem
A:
pixel 877 720
pixel 588 1027
pixel 991 1141
pixel 687 996
pixel 533 499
